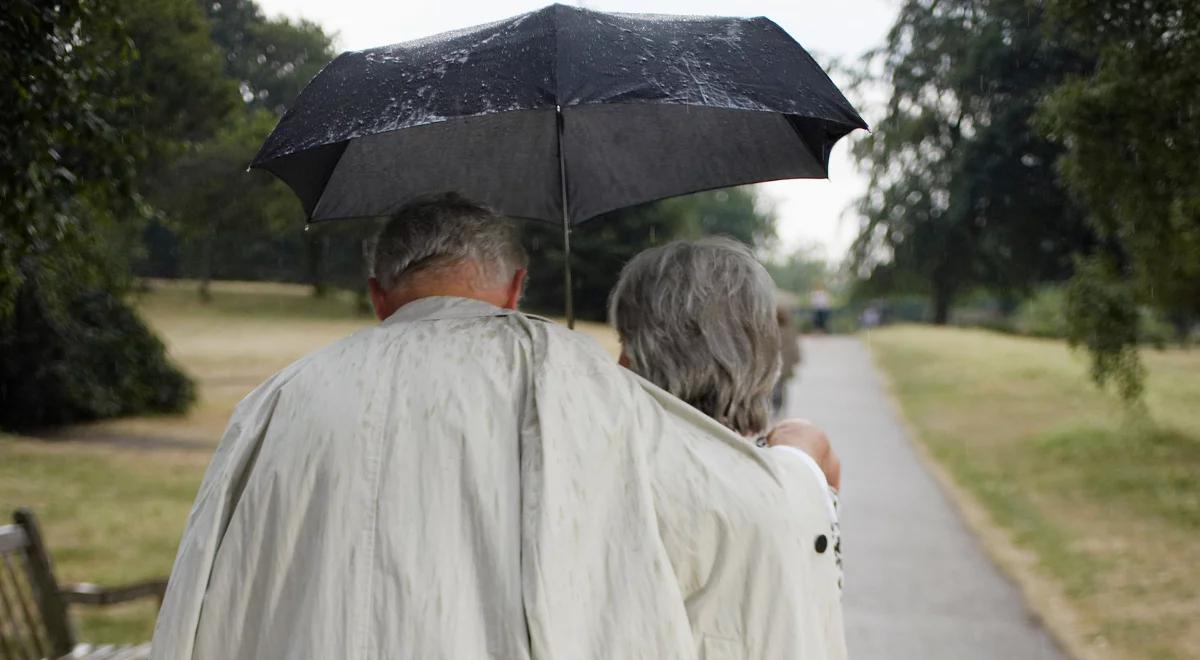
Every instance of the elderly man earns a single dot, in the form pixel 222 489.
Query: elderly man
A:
pixel 465 481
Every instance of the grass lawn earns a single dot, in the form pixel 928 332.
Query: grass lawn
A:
pixel 1109 506
pixel 113 496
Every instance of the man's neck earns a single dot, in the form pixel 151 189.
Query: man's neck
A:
pixel 456 281
pixel 405 295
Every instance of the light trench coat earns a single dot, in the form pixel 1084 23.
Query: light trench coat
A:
pixel 465 482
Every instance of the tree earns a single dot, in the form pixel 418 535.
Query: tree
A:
pixel 801 271
pixel 601 246
pixel 1131 129
pixel 271 60
pixel 179 97
pixel 181 91
pixel 738 213
pixel 59 151
pixel 1102 314
pixel 962 190
pixel 208 193
pixel 207 198
pixel 72 349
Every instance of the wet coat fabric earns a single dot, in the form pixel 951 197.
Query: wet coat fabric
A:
pixel 468 482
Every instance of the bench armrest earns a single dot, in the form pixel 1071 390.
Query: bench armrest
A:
pixel 91 594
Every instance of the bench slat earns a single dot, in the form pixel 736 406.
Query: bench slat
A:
pixel 45 588
pixel 14 582
pixel 91 594
pixel 109 652
pixel 12 539
pixel 35 604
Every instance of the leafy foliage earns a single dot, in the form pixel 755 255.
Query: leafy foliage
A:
pixel 1103 317
pixel 1043 314
pixel 82 357
pixel 601 246
pixel 271 60
pixel 802 271
pixel 75 88
pixel 62 161
pixel 216 218
pixel 175 78
pixel 1132 132
pixel 208 191
pixel 963 191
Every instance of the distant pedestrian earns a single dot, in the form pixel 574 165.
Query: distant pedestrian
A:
pixel 789 354
pixel 871 317
pixel 820 309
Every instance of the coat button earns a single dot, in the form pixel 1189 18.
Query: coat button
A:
pixel 822 543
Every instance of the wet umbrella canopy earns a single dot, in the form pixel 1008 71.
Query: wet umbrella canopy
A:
pixel 559 115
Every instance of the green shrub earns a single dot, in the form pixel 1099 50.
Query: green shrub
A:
pixel 1043 314
pixel 1104 319
pixel 72 356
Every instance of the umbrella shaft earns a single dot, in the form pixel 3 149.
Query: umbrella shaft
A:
pixel 567 271
pixel 562 177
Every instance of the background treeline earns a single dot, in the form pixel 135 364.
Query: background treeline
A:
pixel 1023 147
pixel 1044 148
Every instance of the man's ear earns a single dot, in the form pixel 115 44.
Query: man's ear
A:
pixel 378 299
pixel 515 286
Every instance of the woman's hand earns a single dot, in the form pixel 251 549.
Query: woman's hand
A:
pixel 805 436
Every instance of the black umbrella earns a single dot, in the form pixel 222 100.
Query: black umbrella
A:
pixel 559 115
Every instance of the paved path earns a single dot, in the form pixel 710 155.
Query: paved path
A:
pixel 918 584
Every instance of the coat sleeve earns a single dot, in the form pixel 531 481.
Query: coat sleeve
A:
pixel 801 487
pixel 175 630
pixel 740 524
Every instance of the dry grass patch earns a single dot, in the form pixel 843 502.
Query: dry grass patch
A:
pixel 109 515
pixel 1109 505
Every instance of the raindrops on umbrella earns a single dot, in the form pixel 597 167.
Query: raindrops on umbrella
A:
pixel 559 115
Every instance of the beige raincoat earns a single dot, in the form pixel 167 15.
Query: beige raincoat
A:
pixel 468 482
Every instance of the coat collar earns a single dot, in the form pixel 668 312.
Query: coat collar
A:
pixel 444 307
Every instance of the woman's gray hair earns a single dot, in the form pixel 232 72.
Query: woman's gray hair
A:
pixel 697 318
pixel 445 230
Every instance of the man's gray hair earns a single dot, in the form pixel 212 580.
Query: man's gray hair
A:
pixel 445 230
pixel 697 318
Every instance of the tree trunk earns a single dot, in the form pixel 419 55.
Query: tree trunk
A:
pixel 316 259
pixel 943 296
pixel 206 262
pixel 1182 323
pixel 941 310
pixel 362 302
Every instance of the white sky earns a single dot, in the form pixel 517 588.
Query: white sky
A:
pixel 811 212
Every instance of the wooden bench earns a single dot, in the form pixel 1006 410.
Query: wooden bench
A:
pixel 33 607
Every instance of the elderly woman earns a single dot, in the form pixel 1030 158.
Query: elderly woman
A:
pixel 698 319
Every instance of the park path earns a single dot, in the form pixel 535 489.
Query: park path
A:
pixel 918 584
